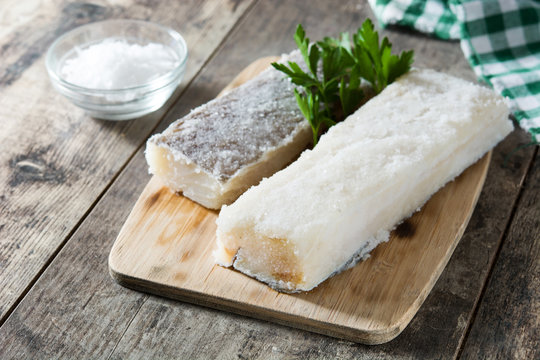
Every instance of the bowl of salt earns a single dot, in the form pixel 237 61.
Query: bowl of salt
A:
pixel 118 69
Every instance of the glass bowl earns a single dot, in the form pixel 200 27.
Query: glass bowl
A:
pixel 122 103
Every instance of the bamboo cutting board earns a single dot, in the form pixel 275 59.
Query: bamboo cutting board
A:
pixel 166 243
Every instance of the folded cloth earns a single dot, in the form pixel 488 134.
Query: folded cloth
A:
pixel 500 39
pixel 433 16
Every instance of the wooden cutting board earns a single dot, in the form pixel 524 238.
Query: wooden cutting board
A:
pixel 166 243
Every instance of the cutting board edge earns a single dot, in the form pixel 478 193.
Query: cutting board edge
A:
pixel 131 279
pixel 373 336
pixel 362 336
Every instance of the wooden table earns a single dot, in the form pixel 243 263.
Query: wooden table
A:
pixel 68 182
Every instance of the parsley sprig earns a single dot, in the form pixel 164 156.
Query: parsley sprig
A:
pixel 330 89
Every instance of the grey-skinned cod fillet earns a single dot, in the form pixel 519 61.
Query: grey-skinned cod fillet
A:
pixel 220 149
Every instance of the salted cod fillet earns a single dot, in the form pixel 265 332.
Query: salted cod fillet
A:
pixel 337 202
pixel 223 147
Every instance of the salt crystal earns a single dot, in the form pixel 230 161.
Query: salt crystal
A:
pixel 116 64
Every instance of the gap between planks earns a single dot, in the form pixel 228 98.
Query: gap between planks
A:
pixel 502 239
pixel 127 326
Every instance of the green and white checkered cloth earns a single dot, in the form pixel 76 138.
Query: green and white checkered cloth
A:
pixel 500 39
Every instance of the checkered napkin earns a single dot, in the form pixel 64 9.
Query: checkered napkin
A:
pixel 500 39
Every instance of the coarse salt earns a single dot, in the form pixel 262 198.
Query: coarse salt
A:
pixel 116 64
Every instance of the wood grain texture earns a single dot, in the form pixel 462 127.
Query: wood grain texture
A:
pixel 56 161
pixel 75 310
pixel 507 325
pixel 165 247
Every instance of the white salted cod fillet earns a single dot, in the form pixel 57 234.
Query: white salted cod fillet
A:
pixel 337 202
pixel 223 147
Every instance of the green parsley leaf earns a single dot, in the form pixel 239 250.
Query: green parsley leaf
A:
pixel 350 93
pixel 331 88
pixel 384 67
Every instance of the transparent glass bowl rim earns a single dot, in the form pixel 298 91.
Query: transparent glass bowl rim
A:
pixel 163 79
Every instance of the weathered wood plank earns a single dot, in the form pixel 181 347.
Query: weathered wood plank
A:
pixel 507 325
pixel 75 310
pixel 55 161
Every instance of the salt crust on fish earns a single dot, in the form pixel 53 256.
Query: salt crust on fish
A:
pixel 336 203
